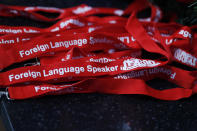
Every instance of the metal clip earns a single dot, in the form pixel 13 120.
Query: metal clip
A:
pixel 37 63
pixel 2 93
pixel 192 4
pixel 7 94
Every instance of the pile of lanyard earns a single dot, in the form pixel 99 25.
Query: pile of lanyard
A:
pixel 85 53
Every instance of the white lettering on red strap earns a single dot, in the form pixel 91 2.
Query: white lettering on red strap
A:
pixel 135 63
pixel 119 12
pixel 94 70
pixel 81 10
pixel 11 31
pixel 185 57
pixel 71 21
pixel 185 33
pixel 101 60
pixel 34 50
pixel 62 71
pixel 22 75
pixel 44 88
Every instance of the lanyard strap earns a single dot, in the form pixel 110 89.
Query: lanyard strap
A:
pixel 103 54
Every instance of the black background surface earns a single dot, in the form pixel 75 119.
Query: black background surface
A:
pixel 94 112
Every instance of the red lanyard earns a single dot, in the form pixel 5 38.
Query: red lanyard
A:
pixel 103 54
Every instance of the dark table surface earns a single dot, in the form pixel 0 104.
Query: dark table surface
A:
pixel 99 112
pixel 94 112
